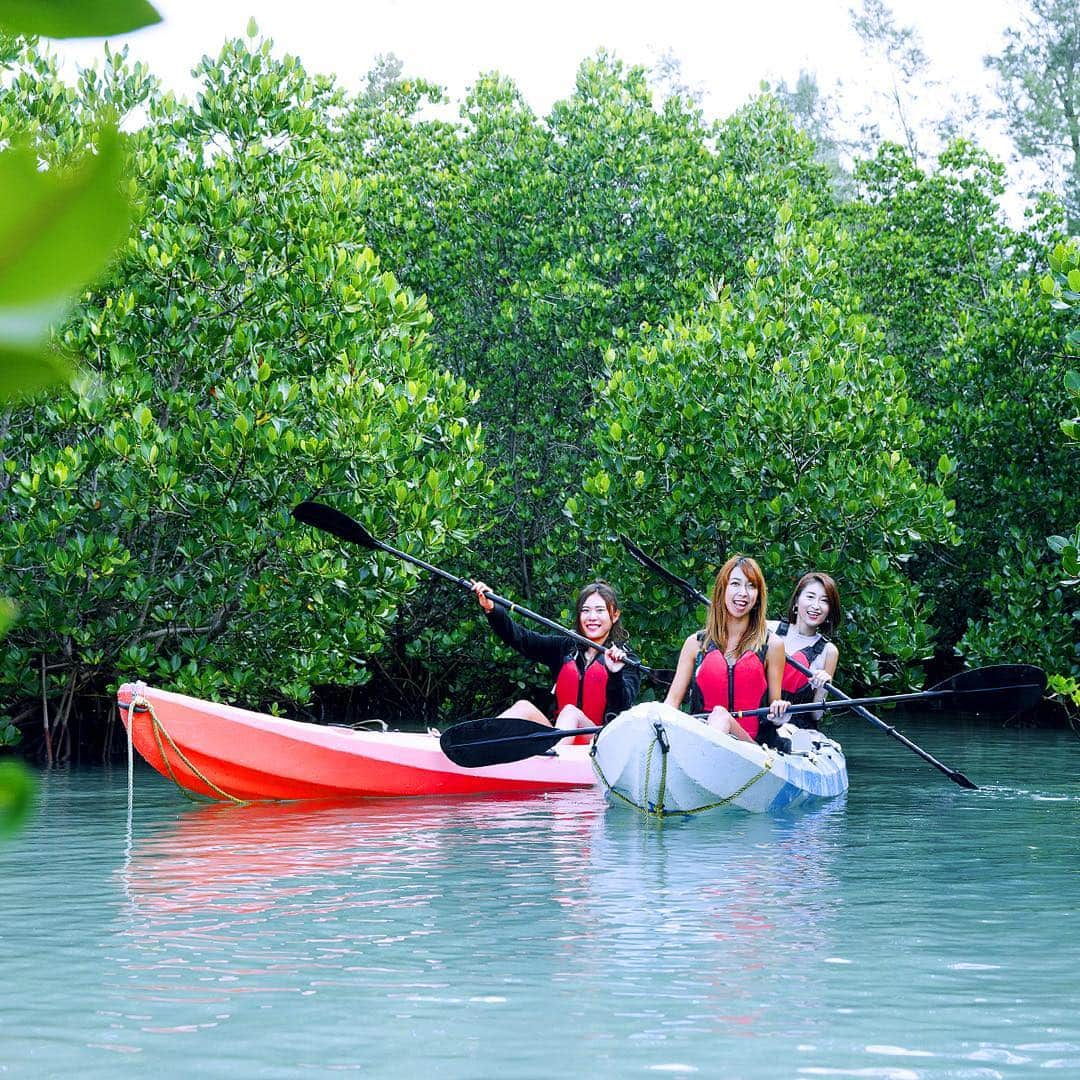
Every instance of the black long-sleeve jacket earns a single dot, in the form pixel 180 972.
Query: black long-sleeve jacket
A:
pixel 554 650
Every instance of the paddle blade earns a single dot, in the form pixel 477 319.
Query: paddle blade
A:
pixel 1010 688
pixel 651 564
pixel 646 560
pixel 497 740
pixel 332 521
pixel 659 676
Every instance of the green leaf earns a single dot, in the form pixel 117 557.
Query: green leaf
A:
pixel 25 371
pixel 8 611
pixel 1074 280
pixel 1072 382
pixel 76 18
pixel 58 229
pixel 16 795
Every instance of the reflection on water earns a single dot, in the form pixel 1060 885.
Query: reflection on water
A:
pixel 444 904
pixel 732 897
pixel 910 929
pixel 379 887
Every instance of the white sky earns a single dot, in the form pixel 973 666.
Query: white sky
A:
pixel 725 46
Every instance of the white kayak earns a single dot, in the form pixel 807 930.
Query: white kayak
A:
pixel 664 762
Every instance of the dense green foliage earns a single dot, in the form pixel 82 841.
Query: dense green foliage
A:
pixel 57 228
pixel 663 326
pixel 769 421
pixel 957 295
pixel 1062 283
pixel 246 352
pixel 539 243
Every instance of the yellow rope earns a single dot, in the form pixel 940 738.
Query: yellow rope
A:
pixel 648 767
pixel 658 810
pixel 661 788
pixel 767 767
pixel 156 726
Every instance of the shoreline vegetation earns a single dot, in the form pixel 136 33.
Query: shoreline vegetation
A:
pixel 500 341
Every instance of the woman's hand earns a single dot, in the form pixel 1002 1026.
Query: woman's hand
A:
pixel 777 709
pixel 819 679
pixel 481 590
pixel 721 718
pixel 614 658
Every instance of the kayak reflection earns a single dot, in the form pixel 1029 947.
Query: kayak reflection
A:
pixel 730 916
pixel 218 858
pixel 427 914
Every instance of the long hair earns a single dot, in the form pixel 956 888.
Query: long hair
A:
pixel 716 626
pixel 606 593
pixel 832 594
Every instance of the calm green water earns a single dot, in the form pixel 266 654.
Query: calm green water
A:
pixel 909 930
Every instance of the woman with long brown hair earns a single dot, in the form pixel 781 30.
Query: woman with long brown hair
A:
pixel 812 612
pixel 590 686
pixel 733 664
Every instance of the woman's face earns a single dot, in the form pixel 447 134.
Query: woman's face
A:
pixel 812 605
pixel 595 619
pixel 741 595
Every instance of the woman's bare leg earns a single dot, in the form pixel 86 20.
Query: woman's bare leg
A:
pixel 526 710
pixel 571 717
pixel 722 720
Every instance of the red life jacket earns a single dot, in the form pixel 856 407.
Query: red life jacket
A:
pixel 738 686
pixel 588 692
pixel 796 687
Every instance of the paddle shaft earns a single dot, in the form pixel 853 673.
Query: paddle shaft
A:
pixel 953 774
pixel 341 525
pixel 695 594
pixel 792 710
pixel 511 738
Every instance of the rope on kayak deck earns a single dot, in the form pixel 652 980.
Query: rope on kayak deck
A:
pixel 143 704
pixel 131 783
pixel 657 809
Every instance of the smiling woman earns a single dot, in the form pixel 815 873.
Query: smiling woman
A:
pixel 812 612
pixel 591 686
pixel 733 664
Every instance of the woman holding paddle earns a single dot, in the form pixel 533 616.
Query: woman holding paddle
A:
pixel 733 664
pixel 591 685
pixel 812 612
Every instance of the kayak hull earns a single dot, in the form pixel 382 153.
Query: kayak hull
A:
pixel 229 754
pixel 662 762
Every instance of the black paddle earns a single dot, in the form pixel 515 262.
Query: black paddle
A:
pixel 694 594
pixel 496 740
pixel 332 521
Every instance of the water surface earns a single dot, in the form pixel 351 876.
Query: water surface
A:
pixel 910 929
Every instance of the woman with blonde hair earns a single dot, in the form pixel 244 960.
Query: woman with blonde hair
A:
pixel 733 664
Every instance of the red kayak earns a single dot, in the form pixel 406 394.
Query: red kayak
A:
pixel 231 754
